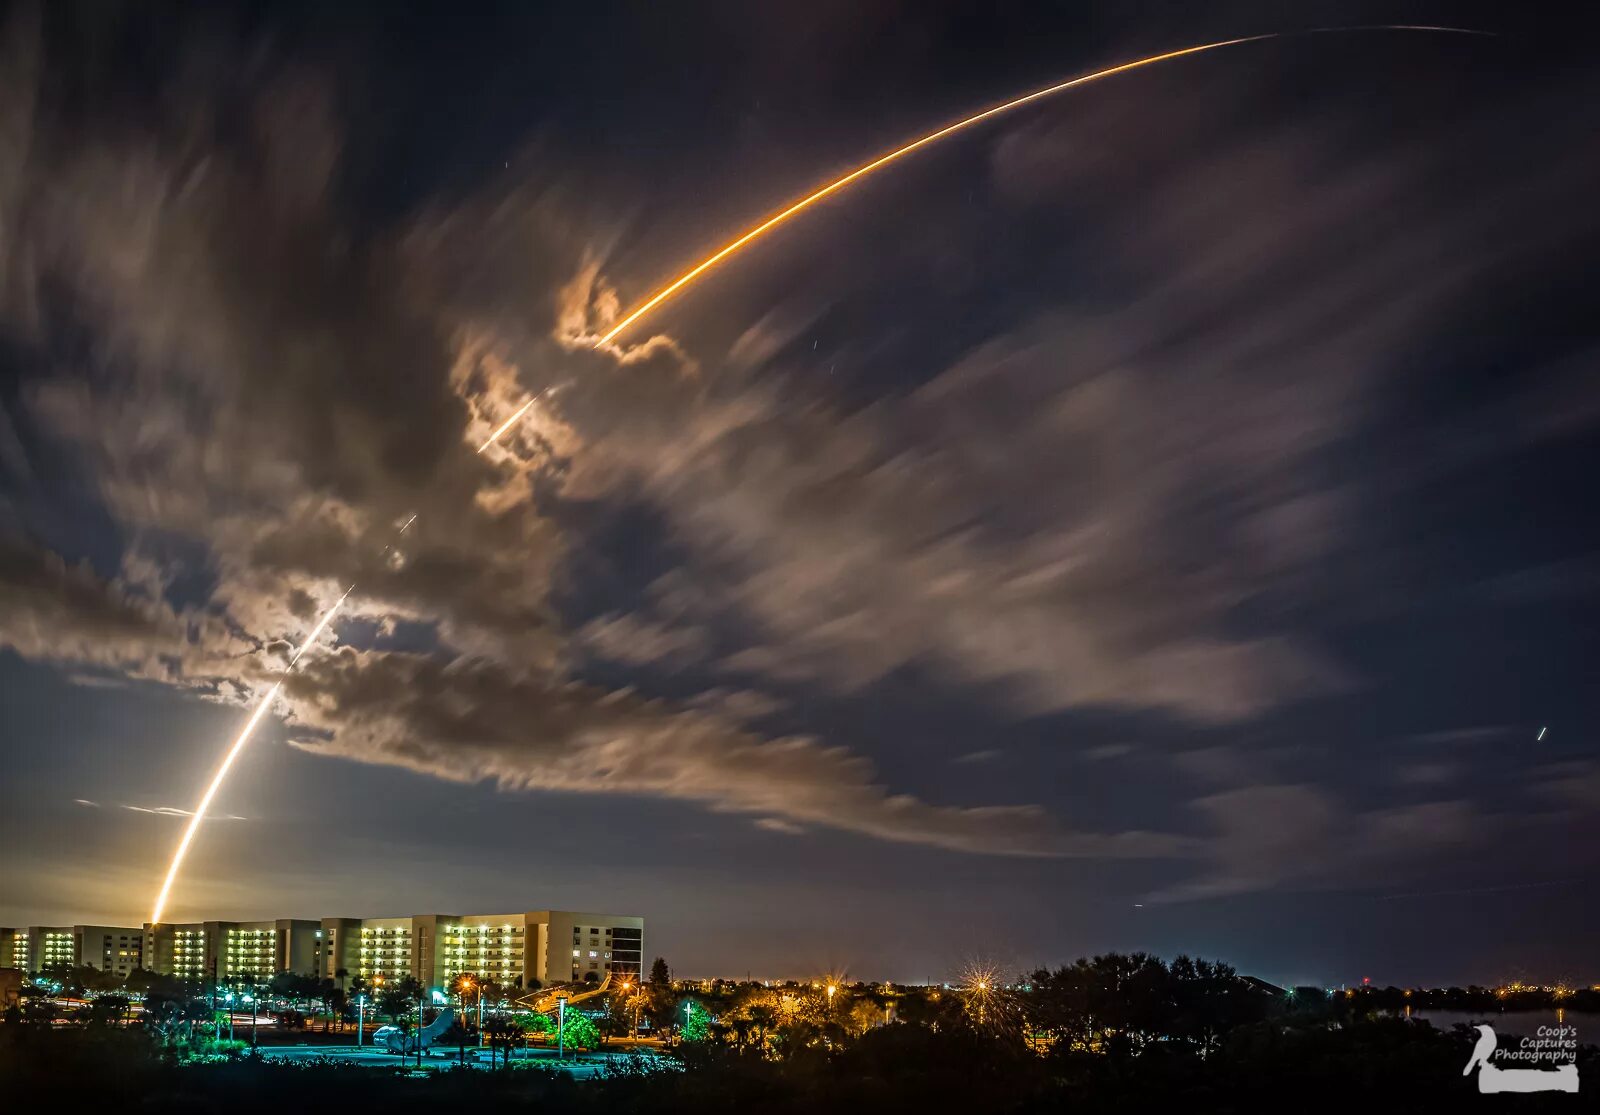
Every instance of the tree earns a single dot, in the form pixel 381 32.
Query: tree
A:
pixel 696 1022
pixel 532 1025
pixel 500 1029
pixel 579 1032
pixel 458 1036
pixel 168 1016
pixel 764 1017
pixel 660 974
pixel 394 1001
pixel 618 1020
pixel 337 1001
pixel 107 1010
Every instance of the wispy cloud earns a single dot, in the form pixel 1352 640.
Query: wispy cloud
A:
pixel 174 811
pixel 779 825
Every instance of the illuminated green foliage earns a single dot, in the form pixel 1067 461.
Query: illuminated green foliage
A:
pixel 696 1021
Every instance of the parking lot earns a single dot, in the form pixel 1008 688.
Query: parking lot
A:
pixel 582 1066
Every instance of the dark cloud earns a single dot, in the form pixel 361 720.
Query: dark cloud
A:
pixel 52 610
pixel 1299 837
pixel 473 720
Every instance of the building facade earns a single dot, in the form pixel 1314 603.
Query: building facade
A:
pixel 233 950
pixel 575 946
pixel 117 949
pixel 33 948
pixel 529 949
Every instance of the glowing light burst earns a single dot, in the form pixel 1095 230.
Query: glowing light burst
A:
pixel 988 1003
pixel 233 754
pixel 881 161
pixel 265 703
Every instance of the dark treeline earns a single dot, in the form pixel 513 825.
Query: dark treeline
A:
pixel 1114 1033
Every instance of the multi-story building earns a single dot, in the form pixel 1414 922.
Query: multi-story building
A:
pixel 14 948
pixel 35 947
pixel 225 950
pixel 529 949
pixel 523 950
pixel 599 943
pixel 117 949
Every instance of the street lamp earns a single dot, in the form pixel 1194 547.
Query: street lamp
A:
pixel 361 1017
pixel 467 984
pixel 230 1015
pixel 561 1025
pixel 627 986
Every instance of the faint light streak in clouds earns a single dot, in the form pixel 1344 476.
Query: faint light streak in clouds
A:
pixel 174 811
pixel 504 426
pixel 838 184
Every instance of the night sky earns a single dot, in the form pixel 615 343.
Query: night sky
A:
pixel 1161 519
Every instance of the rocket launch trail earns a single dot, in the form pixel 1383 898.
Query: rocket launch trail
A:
pixel 746 238
pixel 265 703
pixel 233 753
pixel 694 273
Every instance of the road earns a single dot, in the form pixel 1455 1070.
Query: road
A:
pixel 582 1066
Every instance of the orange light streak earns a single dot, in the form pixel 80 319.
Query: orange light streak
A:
pixel 838 184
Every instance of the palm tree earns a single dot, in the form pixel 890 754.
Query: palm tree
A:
pixel 458 1036
pixel 763 1018
pixel 394 1001
pixel 336 1002
pixel 503 1033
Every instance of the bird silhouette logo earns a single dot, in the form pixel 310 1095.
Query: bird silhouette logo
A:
pixel 1493 1079
pixel 1483 1050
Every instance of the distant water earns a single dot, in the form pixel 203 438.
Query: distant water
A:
pixel 1522 1023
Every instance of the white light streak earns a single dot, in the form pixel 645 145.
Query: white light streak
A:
pixel 233 754
pixel 506 425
